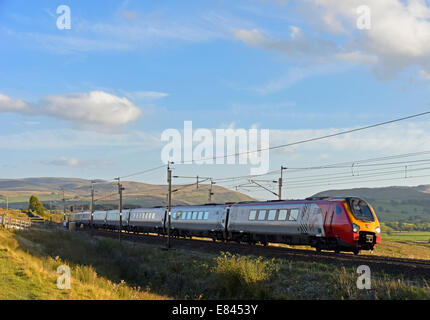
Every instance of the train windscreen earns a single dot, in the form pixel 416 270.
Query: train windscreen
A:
pixel 360 209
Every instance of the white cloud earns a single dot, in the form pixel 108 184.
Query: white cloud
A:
pixel 9 105
pixel 399 34
pixel 146 95
pixel 425 75
pixel 128 31
pixel 298 45
pixel 397 40
pixel 65 162
pixel 97 109
pixel 75 163
pixel 72 139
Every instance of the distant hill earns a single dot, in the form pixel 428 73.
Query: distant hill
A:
pixel 78 192
pixel 392 203
pixel 388 193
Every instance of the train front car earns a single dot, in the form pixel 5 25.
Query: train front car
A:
pixel 335 224
pixel 366 230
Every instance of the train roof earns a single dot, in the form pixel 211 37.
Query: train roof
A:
pixel 327 198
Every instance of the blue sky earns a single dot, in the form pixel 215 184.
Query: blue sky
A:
pixel 92 101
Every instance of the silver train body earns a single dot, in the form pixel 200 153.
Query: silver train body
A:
pixel 271 221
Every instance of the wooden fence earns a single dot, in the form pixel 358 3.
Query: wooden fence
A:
pixel 14 223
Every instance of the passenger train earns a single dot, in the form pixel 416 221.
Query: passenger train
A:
pixel 327 223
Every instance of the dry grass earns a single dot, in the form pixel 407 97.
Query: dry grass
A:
pixel 24 276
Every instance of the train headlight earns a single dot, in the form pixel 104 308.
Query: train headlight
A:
pixel 378 230
pixel 355 228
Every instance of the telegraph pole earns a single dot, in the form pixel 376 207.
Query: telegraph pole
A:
pixel 169 205
pixel 92 202
pixel 280 183
pixel 64 205
pixel 210 191
pixel 120 190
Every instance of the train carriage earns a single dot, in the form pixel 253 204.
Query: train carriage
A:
pixel 99 219
pixel 206 221
pixel 283 222
pixel 149 220
pixel 81 219
pixel 113 219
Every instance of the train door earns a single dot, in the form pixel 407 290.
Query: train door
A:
pixel 328 220
pixel 163 221
pixel 224 222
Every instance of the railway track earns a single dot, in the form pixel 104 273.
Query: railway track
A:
pixel 412 268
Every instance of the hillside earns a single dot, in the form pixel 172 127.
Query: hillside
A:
pixel 78 192
pixel 388 193
pixel 392 203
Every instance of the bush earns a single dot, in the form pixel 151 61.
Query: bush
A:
pixel 244 277
pixel 36 206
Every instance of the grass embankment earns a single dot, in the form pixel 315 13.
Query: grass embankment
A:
pixel 28 269
pixel 413 245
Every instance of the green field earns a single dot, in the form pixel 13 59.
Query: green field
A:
pixel 421 237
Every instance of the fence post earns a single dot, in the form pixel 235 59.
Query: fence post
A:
pixel 2 219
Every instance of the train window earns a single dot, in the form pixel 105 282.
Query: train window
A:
pixel 361 210
pixel 261 214
pixel 252 214
pixel 200 217
pixel 195 215
pixel 153 215
pixel 272 215
pixel 174 215
pixel 294 213
pixel 206 216
pixel 189 213
pixel 282 214
pixel 184 215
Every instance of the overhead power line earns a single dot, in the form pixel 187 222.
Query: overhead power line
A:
pixel 357 177
pixel 357 162
pixel 363 181
pixel 142 172
pixel 312 139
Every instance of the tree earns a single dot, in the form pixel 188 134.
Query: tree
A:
pixel 36 206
